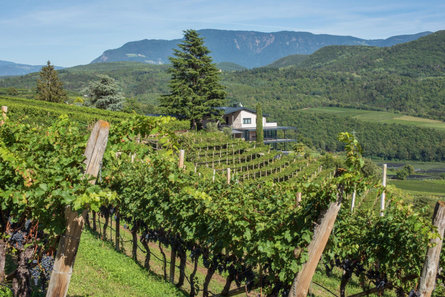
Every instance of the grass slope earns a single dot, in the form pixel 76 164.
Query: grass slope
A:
pixel 101 271
pixel 381 117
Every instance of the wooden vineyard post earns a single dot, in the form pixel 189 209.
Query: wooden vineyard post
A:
pixel 322 231
pixel 298 198
pixel 4 112
pixel 213 178
pixel 382 199
pixel 353 200
pixel 228 176
pixel 173 249
pixel 429 272
pixel 69 241
pixel 181 159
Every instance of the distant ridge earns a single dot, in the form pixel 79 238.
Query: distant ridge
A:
pixel 246 48
pixel 13 69
pixel 422 57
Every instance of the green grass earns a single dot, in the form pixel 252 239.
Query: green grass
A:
pixel 322 285
pixel 101 271
pixel 436 187
pixel 380 117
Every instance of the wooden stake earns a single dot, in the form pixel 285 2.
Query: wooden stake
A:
pixel 69 242
pixel 429 272
pixel 213 178
pixel 181 159
pixel 228 176
pixel 298 198
pixel 4 111
pixel 321 235
pixel 382 200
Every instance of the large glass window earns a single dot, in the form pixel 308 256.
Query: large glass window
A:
pixel 247 120
pixel 270 133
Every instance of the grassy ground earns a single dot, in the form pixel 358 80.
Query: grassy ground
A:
pixel 381 117
pixel 433 187
pixel 101 271
pixel 322 286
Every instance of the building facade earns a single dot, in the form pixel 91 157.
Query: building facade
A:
pixel 243 123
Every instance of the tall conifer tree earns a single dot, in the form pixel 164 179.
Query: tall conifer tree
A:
pixel 49 87
pixel 259 124
pixel 195 87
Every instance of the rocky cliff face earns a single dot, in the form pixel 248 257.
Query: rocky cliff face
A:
pixel 246 48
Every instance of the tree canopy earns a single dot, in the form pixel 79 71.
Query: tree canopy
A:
pixel 195 87
pixel 49 87
pixel 105 94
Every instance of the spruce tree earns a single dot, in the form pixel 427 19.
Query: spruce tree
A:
pixel 259 124
pixel 49 87
pixel 195 87
pixel 105 94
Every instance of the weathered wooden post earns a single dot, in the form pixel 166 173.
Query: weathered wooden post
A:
pixel 429 272
pixel 213 178
pixel 321 235
pixel 382 200
pixel 181 159
pixel 69 241
pixel 228 176
pixel 4 112
pixel 298 198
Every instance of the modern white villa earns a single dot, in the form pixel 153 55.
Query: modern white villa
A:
pixel 243 123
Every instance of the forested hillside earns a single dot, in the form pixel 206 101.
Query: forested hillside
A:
pixel 407 78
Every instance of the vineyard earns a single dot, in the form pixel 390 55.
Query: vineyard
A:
pixel 239 210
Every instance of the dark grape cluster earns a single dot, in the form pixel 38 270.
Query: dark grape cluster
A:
pixel 47 265
pixel 17 239
pixel 41 272
pixel 35 274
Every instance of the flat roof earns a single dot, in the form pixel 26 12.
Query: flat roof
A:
pixel 268 128
pixel 231 109
pixel 268 141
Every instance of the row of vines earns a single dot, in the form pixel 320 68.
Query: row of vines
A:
pixel 254 233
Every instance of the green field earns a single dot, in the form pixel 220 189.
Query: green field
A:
pixel 380 117
pixel 435 187
pixel 101 271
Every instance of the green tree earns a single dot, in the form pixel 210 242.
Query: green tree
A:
pixel 12 91
pixel 105 94
pixel 404 172
pixel 195 87
pixel 259 124
pixel 49 87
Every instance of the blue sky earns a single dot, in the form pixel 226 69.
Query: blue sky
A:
pixel 70 32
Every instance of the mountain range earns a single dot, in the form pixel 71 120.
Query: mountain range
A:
pixel 407 79
pixel 232 50
pixel 246 48
pixel 12 69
